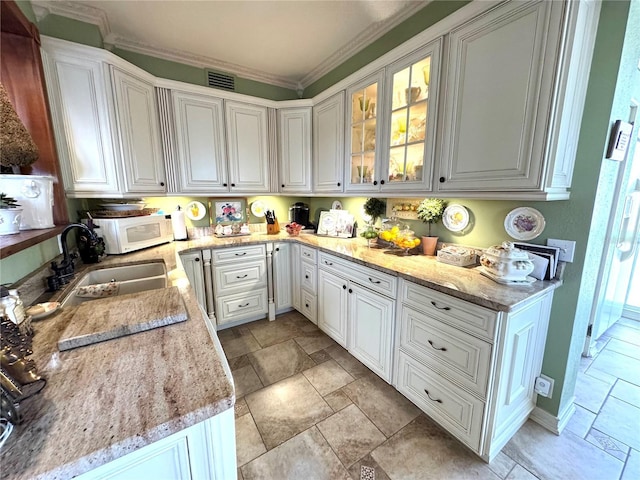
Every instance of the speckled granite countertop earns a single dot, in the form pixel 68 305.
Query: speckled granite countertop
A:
pixel 106 400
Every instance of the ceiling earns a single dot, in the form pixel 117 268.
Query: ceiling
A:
pixel 286 43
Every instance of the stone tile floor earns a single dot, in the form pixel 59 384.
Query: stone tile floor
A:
pixel 308 410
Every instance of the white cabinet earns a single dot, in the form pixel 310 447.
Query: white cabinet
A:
pixel 205 451
pixel 295 277
pixel 193 267
pixel 138 133
pixel 358 318
pixel 282 277
pixel 82 111
pixel 514 96
pixel 200 161
pixel 294 150
pixel 247 148
pixel 328 144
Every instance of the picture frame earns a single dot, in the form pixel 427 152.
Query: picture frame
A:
pixel 228 211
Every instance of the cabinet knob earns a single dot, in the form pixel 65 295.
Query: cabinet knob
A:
pixel 375 182
pixel 277 249
pixel 197 259
pixel 338 183
pixel 306 305
pixel 306 276
pixel 441 179
pixel 233 184
pixel 224 185
pixel 162 184
pixel 381 182
pixel 283 185
pixel 350 291
pixel 344 287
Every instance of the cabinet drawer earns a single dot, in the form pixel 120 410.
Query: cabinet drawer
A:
pixel 456 312
pixel 239 306
pixel 454 354
pixel 227 255
pixel 240 276
pixel 309 254
pixel 309 306
pixel 308 277
pixel 379 282
pixel 456 410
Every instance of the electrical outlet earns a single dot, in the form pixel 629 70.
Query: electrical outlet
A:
pixel 567 248
pixel 544 386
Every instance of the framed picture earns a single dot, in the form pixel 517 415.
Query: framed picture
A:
pixel 229 211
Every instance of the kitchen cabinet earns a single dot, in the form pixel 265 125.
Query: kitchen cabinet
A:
pixel 194 268
pixel 294 150
pixel 81 105
pixel 282 277
pixel 203 451
pixel 139 133
pixel 515 88
pixel 359 318
pixel 247 148
pixel 307 275
pixel 469 368
pixel 239 284
pixel 295 276
pixel 200 152
pixel 328 145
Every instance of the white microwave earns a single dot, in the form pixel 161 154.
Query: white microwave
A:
pixel 123 235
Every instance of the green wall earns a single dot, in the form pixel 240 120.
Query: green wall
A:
pixel 71 30
pixel 21 264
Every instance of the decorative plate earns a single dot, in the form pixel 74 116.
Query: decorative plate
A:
pixel 42 310
pixel 337 205
pixel 258 208
pixel 524 223
pixel 195 211
pixel 455 218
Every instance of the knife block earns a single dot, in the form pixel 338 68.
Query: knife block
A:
pixel 273 228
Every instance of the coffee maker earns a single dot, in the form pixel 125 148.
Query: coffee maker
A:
pixel 299 213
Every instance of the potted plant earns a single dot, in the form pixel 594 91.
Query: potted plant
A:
pixel 10 215
pixel 430 211
pixel 375 209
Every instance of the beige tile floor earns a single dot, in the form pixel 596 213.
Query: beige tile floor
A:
pixel 307 410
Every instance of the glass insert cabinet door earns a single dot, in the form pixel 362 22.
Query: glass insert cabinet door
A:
pixel 413 87
pixel 364 134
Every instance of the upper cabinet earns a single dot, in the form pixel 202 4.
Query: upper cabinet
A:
pixel 78 89
pixel 294 150
pixel 139 134
pixel 200 159
pixel 247 147
pixel 328 144
pixel 506 116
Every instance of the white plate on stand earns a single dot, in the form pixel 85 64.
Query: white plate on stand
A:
pixel 524 223
pixel 455 218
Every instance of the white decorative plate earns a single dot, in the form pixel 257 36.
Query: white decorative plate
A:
pixel 524 223
pixel 455 218
pixel 195 211
pixel 258 208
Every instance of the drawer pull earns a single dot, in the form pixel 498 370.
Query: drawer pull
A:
pixel 328 263
pixel 244 305
pixel 437 400
pixel 306 254
pixel 244 253
pixel 374 281
pixel 242 276
pixel 439 308
pixel 436 348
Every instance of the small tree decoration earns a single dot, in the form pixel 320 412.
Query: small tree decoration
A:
pixel 16 145
pixel 375 208
pixel 430 211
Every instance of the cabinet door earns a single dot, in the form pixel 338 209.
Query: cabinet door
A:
pixel 82 119
pixel 282 276
pixel 328 144
pixel 192 264
pixel 295 276
pixel 247 147
pixel 371 329
pixel 497 100
pixel 294 150
pixel 362 148
pixel 201 158
pixel 139 134
pixel 410 126
pixel 332 306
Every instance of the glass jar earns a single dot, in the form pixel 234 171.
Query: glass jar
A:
pixel 405 239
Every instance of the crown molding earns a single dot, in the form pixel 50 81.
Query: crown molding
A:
pixel 76 11
pixel 365 38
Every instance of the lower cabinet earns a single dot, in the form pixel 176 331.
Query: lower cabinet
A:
pixel 282 277
pixel 332 306
pixel 193 267
pixel 205 451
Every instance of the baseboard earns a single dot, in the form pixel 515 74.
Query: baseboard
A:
pixel 554 424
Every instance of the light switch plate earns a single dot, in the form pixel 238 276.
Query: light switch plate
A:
pixel 567 248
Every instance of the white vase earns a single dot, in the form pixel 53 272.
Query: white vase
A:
pixel 10 220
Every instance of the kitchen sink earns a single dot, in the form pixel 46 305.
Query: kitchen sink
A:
pixel 130 279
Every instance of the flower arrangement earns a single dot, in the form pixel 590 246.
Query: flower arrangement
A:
pixel 430 211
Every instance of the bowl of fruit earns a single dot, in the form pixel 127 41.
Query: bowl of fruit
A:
pixel 405 239
pixel 293 229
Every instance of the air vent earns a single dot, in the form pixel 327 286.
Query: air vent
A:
pixel 221 80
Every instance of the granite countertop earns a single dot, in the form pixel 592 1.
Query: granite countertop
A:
pixel 105 400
